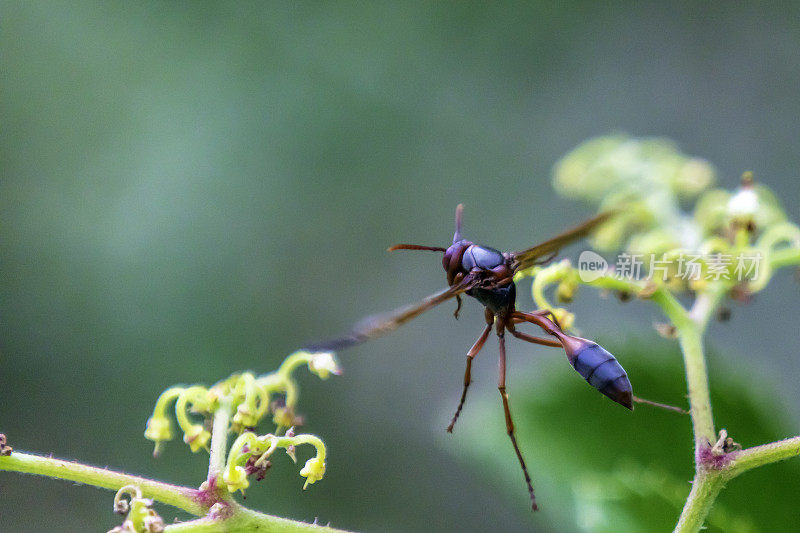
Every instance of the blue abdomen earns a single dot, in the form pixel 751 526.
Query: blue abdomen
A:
pixel 604 373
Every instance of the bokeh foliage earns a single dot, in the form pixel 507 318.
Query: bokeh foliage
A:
pixel 598 468
pixel 194 189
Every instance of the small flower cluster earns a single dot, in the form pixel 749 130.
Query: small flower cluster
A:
pixel 734 240
pixel 250 399
pixel 139 515
pixel 250 453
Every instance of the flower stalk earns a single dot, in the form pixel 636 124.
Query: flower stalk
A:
pixel 236 405
pixel 645 180
pixel 219 441
pixel 712 472
pixel 181 497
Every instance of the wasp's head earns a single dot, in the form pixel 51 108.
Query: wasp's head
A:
pixel 452 255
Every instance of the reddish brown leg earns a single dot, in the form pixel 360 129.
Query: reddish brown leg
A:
pixel 541 313
pixel 501 385
pixel 468 372
pixel 552 317
pixel 531 338
pixel 538 318
pixel 456 280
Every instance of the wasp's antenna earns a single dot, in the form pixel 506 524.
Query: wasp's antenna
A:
pixel 415 247
pixel 459 211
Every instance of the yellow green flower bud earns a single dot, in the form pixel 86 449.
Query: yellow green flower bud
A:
pixel 313 471
pixel 197 438
pixel 235 478
pixel 159 426
pixel 283 417
pixel 159 429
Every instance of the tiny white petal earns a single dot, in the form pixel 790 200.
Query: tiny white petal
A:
pixel 743 203
pixel 323 364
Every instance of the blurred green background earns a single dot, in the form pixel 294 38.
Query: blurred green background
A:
pixel 193 188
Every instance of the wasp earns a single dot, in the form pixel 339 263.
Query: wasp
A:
pixel 487 275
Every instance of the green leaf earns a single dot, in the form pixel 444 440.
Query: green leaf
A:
pixel 599 468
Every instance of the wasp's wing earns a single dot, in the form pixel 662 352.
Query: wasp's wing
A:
pixel 376 326
pixel 531 256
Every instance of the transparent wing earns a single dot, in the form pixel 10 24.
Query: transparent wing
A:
pixel 376 326
pixel 531 256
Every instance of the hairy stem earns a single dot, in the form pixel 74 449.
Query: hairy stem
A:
pixel 691 341
pixel 690 327
pixel 705 488
pixel 764 454
pixel 180 497
pixel 707 482
pixel 239 519
pixel 247 520
pixel 219 440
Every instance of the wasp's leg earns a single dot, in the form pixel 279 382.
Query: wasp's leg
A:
pixel 530 338
pixel 547 313
pixel 552 316
pixel 468 372
pixel 458 306
pixel 501 386
pixel 456 280
pixel 540 320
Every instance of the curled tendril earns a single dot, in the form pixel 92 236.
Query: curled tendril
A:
pixel 562 273
pixel 249 452
pixel 254 404
pixel 140 517
pixel 732 242
pixel 250 397
pixel 195 435
pixel 159 426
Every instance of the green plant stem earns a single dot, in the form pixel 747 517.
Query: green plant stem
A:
pixel 612 283
pixel 219 440
pixel 784 258
pixel 691 341
pixel 762 455
pixel 176 496
pixel 705 488
pixel 690 327
pixel 709 481
pixel 239 519
pixel 243 520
